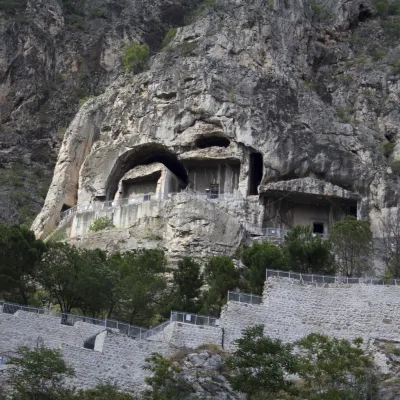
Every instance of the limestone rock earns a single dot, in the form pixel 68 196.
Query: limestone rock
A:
pixel 271 94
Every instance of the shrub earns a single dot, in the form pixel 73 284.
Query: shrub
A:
pixel 321 14
pixel 136 57
pixel 169 37
pixel 388 148
pixel 187 48
pixel 100 224
pixel 395 165
pixel 387 7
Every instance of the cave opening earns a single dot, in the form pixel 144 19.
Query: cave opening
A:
pixel 256 172
pixel 210 141
pixel 145 155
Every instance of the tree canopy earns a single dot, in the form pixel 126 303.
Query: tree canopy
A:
pixel 352 244
pixel 307 252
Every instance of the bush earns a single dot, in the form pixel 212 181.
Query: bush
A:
pixel 136 57
pixel 395 165
pixel 335 369
pixel 169 37
pixel 388 148
pixel 99 224
pixel 387 7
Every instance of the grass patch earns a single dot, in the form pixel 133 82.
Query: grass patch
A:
pixel 213 349
pixel 187 48
pixel 395 165
pixel 180 355
pixel 388 148
pixel 169 37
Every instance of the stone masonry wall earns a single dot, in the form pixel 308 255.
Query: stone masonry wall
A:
pixel 292 309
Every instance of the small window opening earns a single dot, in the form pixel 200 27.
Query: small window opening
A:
pixel 256 172
pixel 214 190
pixel 318 228
pixel 210 141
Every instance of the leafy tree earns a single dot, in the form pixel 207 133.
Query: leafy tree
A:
pixel 352 244
pixel 390 230
pixel 136 57
pixel 20 254
pixel 166 383
pixel 141 289
pixel 335 369
pixel 220 276
pixel 257 259
pixel 99 224
pixel 306 252
pixel 77 278
pixel 39 374
pixel 188 282
pixel 259 365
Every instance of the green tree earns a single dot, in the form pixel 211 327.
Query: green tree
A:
pixel 39 374
pixel 307 252
pixel 334 369
pixel 77 278
pixel 141 290
pixel 257 259
pixel 259 366
pixel 352 245
pixel 220 276
pixel 136 57
pixel 188 282
pixel 20 254
pixel 166 383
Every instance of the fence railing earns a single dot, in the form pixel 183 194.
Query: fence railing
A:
pixel 194 319
pixel 154 331
pixel 244 298
pixel 313 278
pixel 106 205
pixel 274 233
pixel 70 319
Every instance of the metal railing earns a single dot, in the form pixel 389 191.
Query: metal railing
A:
pixel 244 298
pixel 154 331
pixel 275 233
pixel 313 278
pixel 70 319
pixel 106 205
pixel 194 319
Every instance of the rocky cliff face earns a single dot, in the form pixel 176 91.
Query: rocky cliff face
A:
pixel 54 54
pixel 312 86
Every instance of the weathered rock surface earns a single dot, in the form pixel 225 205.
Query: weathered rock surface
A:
pixel 270 76
pixel 54 54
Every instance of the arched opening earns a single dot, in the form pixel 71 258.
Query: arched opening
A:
pixel 256 172
pixel 144 155
pixel 209 141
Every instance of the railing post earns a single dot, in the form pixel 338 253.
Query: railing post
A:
pixel 251 298
pixel 195 320
pixel 323 278
pixel 289 274
pixel 208 321
pixel 312 278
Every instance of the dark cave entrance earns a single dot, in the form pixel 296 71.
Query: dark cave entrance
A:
pixel 256 172
pixel 210 141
